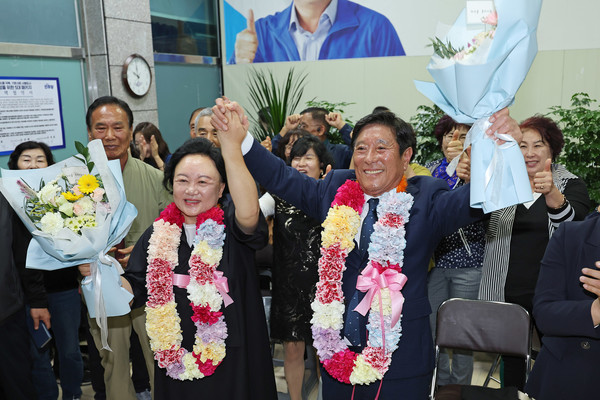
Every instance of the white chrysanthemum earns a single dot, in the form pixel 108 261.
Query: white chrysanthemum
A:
pixel 48 193
pixel 52 223
pixel 66 207
pixel 204 294
pixel 328 315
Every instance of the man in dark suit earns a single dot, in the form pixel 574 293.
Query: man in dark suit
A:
pixel 382 150
pixel 568 314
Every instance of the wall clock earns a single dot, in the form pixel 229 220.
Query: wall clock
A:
pixel 136 75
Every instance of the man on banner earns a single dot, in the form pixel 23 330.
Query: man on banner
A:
pixel 311 30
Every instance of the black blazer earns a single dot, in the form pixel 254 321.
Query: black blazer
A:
pixel 569 361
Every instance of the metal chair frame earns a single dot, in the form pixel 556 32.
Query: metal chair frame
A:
pixel 485 326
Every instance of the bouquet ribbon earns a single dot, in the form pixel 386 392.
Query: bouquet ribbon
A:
pixel 96 280
pixel 220 283
pixel 371 280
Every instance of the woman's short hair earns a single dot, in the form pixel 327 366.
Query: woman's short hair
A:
pixel 200 146
pixel 148 129
pixel 305 143
pixel 13 159
pixel 548 130
pixel 444 125
pixel 297 133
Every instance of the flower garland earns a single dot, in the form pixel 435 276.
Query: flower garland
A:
pixel 207 289
pixel 382 280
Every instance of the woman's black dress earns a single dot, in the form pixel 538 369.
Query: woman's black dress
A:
pixel 296 244
pixel 247 370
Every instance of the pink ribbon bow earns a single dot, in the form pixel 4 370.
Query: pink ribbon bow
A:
pixel 374 278
pixel 220 282
pixel 222 287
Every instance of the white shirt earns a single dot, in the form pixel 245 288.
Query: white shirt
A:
pixel 309 44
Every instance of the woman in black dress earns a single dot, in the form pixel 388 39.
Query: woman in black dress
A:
pixel 296 243
pixel 188 267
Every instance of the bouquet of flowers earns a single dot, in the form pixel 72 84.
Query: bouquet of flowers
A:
pixel 479 78
pixel 76 218
pixel 67 201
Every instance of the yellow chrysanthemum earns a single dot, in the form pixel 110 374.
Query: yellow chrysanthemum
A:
pixel 363 372
pixel 88 183
pixel 210 351
pixel 341 225
pixel 209 255
pixel 71 196
pixel 162 325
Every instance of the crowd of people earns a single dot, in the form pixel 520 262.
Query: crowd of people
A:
pixel 197 326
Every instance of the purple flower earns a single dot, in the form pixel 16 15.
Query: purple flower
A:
pixel 212 333
pixel 327 342
pixel 175 369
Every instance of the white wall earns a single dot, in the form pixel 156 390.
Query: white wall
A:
pixel 568 62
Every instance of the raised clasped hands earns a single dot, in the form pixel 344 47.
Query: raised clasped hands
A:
pixel 230 122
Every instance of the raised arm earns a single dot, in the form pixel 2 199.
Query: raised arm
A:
pixel 271 172
pixel 241 185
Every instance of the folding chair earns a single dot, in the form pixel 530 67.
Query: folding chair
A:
pixel 485 326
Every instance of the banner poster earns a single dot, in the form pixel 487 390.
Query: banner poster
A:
pixel 270 31
pixel 30 109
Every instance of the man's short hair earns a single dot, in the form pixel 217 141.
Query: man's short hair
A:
pixel 104 100
pixel 318 114
pixel 405 136
pixel 194 112
pixel 206 112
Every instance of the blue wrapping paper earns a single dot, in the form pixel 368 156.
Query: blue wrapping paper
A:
pixel 471 92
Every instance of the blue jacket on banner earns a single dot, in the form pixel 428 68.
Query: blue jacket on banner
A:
pixel 357 32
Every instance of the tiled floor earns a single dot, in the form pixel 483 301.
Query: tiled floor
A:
pixel 481 367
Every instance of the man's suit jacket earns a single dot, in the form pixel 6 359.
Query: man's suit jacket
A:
pixel 569 361
pixel 436 212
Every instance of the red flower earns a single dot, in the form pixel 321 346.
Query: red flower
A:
pixel 215 213
pixel 378 358
pixel 206 367
pixel 159 283
pixel 328 292
pixel 167 357
pixel 350 194
pixel 200 271
pixel 391 220
pixel 172 214
pixel 341 364
pixel 203 314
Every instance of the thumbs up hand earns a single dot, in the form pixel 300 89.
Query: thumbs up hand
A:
pixel 246 42
pixel 455 147
pixel 542 181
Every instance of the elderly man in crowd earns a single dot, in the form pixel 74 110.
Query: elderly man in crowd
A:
pixel 111 120
pixel 382 151
pixel 203 127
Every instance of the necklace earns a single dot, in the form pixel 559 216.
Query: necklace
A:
pixel 207 290
pixel 381 279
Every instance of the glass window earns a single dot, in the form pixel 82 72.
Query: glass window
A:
pixel 39 22
pixel 185 27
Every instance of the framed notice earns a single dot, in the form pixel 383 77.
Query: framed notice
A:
pixel 30 109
